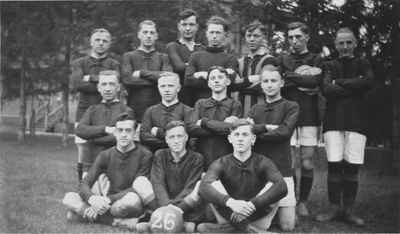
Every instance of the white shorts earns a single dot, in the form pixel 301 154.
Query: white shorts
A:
pixel 290 199
pixel 305 136
pixel 345 145
pixel 79 140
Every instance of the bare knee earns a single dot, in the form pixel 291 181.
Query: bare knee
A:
pixel 130 204
pixel 307 164
pixel 287 226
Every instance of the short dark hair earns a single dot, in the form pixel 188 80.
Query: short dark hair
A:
pixel 109 73
pixel 174 124
pixel 256 25
pixel 241 122
pixel 345 30
pixel 300 25
pixel 219 68
pixel 99 30
pixel 186 13
pixel 147 22
pixel 218 20
pixel 128 115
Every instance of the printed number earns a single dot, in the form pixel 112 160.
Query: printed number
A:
pixel 168 221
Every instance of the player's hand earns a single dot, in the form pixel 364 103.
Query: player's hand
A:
pixel 90 214
pixel 109 130
pixel 200 74
pixel 154 131
pixel 230 71
pixel 315 71
pixel 237 218
pixel 86 78
pixel 250 120
pixel 231 119
pixel 238 79
pixel 100 204
pixel 136 74
pixel 175 208
pixel 271 127
pixel 254 78
pixel 198 123
pixel 240 207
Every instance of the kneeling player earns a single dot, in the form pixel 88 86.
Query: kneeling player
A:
pixel 174 175
pixel 238 185
pixel 127 190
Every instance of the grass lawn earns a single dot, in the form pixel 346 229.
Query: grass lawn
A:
pixel 34 178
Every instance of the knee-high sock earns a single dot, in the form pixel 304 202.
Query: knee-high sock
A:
pixel 335 171
pixel 350 183
pixel 79 168
pixel 306 181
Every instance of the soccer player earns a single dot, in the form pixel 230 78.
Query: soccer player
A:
pixel 251 64
pixel 211 118
pixel 97 125
pixel 180 50
pixel 158 116
pixel 214 55
pixel 126 168
pixel 142 68
pixel 174 175
pixel 243 186
pixel 85 73
pixel 275 121
pixel 302 72
pixel 345 81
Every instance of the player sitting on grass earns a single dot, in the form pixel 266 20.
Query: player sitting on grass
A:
pixel 174 175
pixel 127 190
pixel 244 186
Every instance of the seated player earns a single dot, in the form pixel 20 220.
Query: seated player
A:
pixel 275 121
pixel 98 122
pixel 211 118
pixel 122 198
pixel 156 117
pixel 242 185
pixel 174 175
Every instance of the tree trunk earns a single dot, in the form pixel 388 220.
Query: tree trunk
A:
pixel 22 105
pixel 32 119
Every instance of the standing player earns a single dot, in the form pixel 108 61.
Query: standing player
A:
pixel 126 167
pixel 302 74
pixel 180 50
pixel 211 118
pixel 174 175
pixel 214 55
pixel 85 73
pixel 158 116
pixel 250 66
pixel 242 185
pixel 142 68
pixel 275 121
pixel 97 125
pixel 345 81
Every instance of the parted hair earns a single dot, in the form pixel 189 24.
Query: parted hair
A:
pixel 110 73
pixel 218 20
pixel 186 13
pixel 99 30
pixel 300 25
pixel 241 122
pixel 147 22
pixel 174 124
pixel 128 115
pixel 256 25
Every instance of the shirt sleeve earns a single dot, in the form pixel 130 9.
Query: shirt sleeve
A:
pixel 207 191
pixel 360 83
pixel 286 128
pixel 85 130
pixel 328 88
pixel 277 191
pixel 99 166
pixel 190 80
pixel 194 175
pixel 146 137
pixel 77 74
pixel 177 63
pixel 191 118
pixel 158 179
